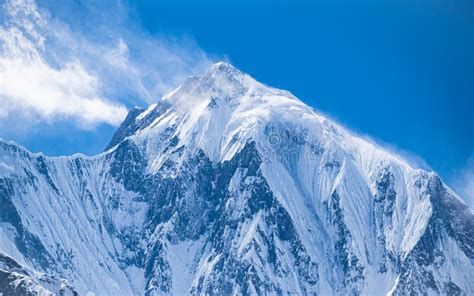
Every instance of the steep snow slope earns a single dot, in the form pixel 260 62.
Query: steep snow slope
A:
pixel 227 186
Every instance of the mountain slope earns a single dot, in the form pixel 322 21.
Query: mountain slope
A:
pixel 227 186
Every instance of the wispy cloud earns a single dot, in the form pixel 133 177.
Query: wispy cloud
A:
pixel 86 72
pixel 463 181
pixel 33 86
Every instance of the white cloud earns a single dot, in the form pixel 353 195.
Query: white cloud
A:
pixel 69 91
pixel 29 84
pixel 118 57
pixel 54 69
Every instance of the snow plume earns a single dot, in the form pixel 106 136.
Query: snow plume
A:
pixel 88 71
pixel 463 182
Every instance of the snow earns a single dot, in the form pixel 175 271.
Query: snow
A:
pixel 306 158
pixel 183 262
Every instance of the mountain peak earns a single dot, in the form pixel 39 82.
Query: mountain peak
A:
pixel 230 172
pixel 223 76
pixel 223 68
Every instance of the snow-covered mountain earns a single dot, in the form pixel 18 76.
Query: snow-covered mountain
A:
pixel 226 186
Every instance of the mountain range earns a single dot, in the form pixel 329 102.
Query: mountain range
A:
pixel 227 186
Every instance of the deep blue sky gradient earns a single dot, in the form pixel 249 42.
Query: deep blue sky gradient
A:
pixel 399 71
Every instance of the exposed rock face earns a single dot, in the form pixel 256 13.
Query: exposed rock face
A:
pixel 227 186
pixel 18 280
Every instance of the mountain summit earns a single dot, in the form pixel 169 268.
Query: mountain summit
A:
pixel 227 186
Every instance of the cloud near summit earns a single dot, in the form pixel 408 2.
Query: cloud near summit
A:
pixel 89 71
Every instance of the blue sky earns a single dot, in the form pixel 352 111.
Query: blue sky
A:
pixel 399 71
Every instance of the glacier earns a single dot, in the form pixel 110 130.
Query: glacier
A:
pixel 226 186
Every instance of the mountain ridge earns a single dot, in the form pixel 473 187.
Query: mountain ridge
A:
pixel 228 186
